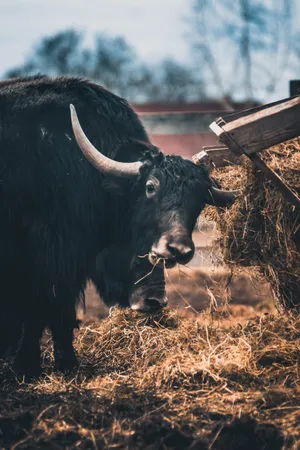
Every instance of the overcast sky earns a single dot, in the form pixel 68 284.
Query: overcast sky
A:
pixel 154 27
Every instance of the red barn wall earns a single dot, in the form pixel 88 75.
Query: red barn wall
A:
pixel 183 129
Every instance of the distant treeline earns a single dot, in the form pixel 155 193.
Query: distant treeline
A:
pixel 239 50
pixel 114 63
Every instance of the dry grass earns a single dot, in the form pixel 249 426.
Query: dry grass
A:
pixel 163 382
pixel 262 229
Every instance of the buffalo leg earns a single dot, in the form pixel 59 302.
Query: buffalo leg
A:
pixel 62 335
pixel 28 359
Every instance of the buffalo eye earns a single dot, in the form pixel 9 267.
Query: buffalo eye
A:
pixel 150 189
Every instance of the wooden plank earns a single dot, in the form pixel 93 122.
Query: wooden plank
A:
pixel 226 139
pixel 276 180
pixel 262 129
pixel 271 131
pixel 222 157
pixel 278 109
pixel 234 147
pixel 270 174
pixel 216 128
pixel 215 147
pixel 219 156
pixel 202 158
pixel 246 112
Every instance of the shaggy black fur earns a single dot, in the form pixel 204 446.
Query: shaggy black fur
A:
pixel 62 222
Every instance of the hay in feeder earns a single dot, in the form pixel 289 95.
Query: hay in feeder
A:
pixel 262 228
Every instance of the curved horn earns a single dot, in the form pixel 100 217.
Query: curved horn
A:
pixel 101 162
pixel 218 197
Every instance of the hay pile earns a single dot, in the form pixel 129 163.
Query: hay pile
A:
pixel 163 382
pixel 262 228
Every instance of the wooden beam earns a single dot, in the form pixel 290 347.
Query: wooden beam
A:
pixel 276 180
pixel 218 156
pixel 233 146
pixel 216 128
pixel 270 174
pixel 260 115
pixel 263 128
pixel 215 147
pixel 202 158
pixel 250 131
pixel 239 114
pixel 222 157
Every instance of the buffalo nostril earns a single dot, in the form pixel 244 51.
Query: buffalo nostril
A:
pixel 181 251
pixel 149 304
pixel 153 304
pixel 173 249
pixel 188 253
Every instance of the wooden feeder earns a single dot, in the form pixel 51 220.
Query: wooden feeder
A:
pixel 251 131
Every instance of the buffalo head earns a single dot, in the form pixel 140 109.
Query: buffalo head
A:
pixel 167 194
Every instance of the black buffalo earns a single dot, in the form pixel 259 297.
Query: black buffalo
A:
pixel 70 213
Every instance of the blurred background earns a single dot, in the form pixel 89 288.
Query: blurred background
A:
pixel 158 50
pixel 164 56
pixel 180 63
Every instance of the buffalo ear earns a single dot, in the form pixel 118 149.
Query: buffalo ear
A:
pixel 134 150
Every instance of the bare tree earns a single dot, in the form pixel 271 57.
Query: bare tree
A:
pixel 54 55
pixel 244 45
pixel 111 61
pixel 114 63
pixel 173 82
